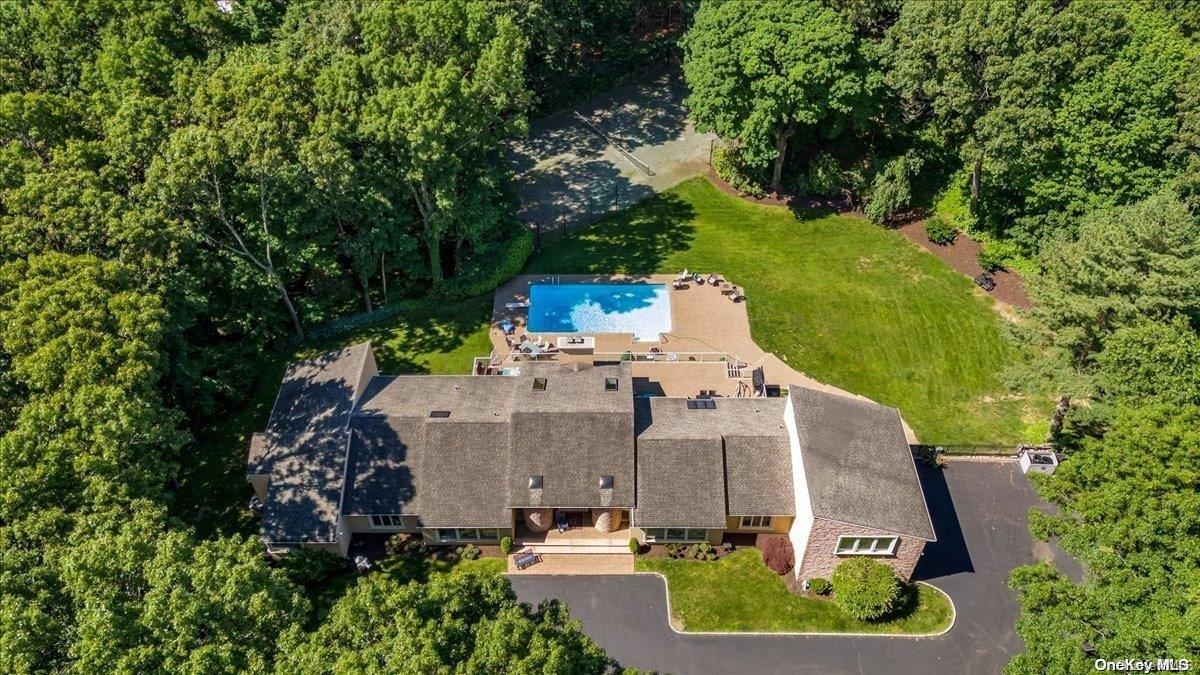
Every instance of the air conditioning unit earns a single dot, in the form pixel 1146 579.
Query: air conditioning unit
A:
pixel 1038 459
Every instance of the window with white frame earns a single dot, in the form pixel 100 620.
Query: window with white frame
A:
pixel 661 534
pixel 387 522
pixel 866 545
pixel 756 522
pixel 467 534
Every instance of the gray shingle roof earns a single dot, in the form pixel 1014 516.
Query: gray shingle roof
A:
pixel 572 433
pixel 471 467
pixel 680 483
pixel 758 476
pixel 858 465
pixel 752 444
pixel 304 447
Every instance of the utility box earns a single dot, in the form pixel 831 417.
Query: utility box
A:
pixel 1037 458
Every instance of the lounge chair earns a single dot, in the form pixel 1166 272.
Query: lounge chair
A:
pixel 523 304
pixel 683 275
pixel 526 559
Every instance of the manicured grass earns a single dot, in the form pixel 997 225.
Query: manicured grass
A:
pixel 838 298
pixel 739 593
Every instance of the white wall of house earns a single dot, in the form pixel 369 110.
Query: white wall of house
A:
pixel 803 523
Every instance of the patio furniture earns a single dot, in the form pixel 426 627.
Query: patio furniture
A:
pixel 679 284
pixel 562 523
pixel 523 304
pixel 527 558
pixel 683 275
pixel 714 279
pixel 698 279
pixel 507 327
pixel 736 295
pixel 577 345
pixel 726 287
pixel 986 282
pixel 726 546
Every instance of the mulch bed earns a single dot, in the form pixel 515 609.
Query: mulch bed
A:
pixel 961 255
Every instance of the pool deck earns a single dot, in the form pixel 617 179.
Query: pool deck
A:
pixel 709 332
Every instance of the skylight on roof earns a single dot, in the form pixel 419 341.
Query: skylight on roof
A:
pixel 539 384
pixel 535 482
pixel 610 384
pixel 439 413
pixel 701 404
pixel 606 482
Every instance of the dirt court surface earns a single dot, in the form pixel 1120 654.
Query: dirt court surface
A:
pixel 567 174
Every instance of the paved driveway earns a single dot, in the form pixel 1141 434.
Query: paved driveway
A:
pixel 979 511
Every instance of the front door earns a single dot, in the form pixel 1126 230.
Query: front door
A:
pixel 576 517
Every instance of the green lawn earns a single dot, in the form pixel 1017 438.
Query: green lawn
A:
pixel 739 593
pixel 845 301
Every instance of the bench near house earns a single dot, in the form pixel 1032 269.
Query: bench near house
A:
pixel 475 458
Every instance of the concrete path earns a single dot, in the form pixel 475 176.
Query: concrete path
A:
pixel 568 174
pixel 979 512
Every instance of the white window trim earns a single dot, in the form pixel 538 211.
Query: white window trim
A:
pixel 889 550
pixel 770 525
pixel 498 530
pixel 664 540
pixel 374 526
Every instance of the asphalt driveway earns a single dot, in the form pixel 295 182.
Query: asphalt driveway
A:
pixel 979 513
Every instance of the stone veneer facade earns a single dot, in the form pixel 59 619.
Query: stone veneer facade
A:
pixel 819 559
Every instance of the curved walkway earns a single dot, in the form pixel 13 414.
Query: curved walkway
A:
pixel 980 517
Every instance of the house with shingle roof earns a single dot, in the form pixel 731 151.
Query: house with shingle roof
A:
pixel 473 458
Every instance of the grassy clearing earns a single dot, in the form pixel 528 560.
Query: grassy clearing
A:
pixel 845 301
pixel 738 593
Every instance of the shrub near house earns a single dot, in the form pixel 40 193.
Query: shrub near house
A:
pixel 865 589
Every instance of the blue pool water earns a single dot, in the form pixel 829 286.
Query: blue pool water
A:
pixel 641 309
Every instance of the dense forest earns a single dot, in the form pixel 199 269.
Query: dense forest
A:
pixel 185 184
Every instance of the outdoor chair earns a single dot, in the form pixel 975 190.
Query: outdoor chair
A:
pixel 683 275
pixel 563 524
pixel 714 279
pixel 527 558
pixel 736 295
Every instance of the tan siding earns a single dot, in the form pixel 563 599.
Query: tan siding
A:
pixel 780 525
pixel 819 559
pixel 362 525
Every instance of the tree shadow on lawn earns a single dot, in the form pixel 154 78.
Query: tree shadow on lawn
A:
pixel 635 241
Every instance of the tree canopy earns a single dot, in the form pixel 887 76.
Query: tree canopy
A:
pixel 761 73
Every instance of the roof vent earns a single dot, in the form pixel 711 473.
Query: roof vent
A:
pixel 606 482
pixel 535 482
pixel 439 413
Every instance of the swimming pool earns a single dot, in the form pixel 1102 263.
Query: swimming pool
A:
pixel 641 309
